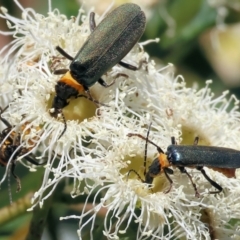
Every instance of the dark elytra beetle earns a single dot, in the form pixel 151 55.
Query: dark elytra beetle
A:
pixel 224 160
pixel 11 149
pixel 106 46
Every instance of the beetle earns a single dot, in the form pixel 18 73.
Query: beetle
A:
pixel 11 148
pixel 106 46
pixel 224 160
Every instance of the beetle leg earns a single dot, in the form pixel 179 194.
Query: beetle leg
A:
pixel 60 71
pixel 132 170
pixel 131 67
pixel 104 84
pixel 3 119
pixel 196 141
pixel 217 186
pixel 16 177
pixel 29 159
pixel 3 110
pixel 173 141
pixel 91 99
pixel 92 22
pixel 65 124
pixel 65 54
pixel 128 66
pixel 166 172
pixel 121 75
pixel 183 170
pixel 169 170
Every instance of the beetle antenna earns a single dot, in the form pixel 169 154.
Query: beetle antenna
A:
pixel 145 154
pixel 142 137
pixel 145 158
